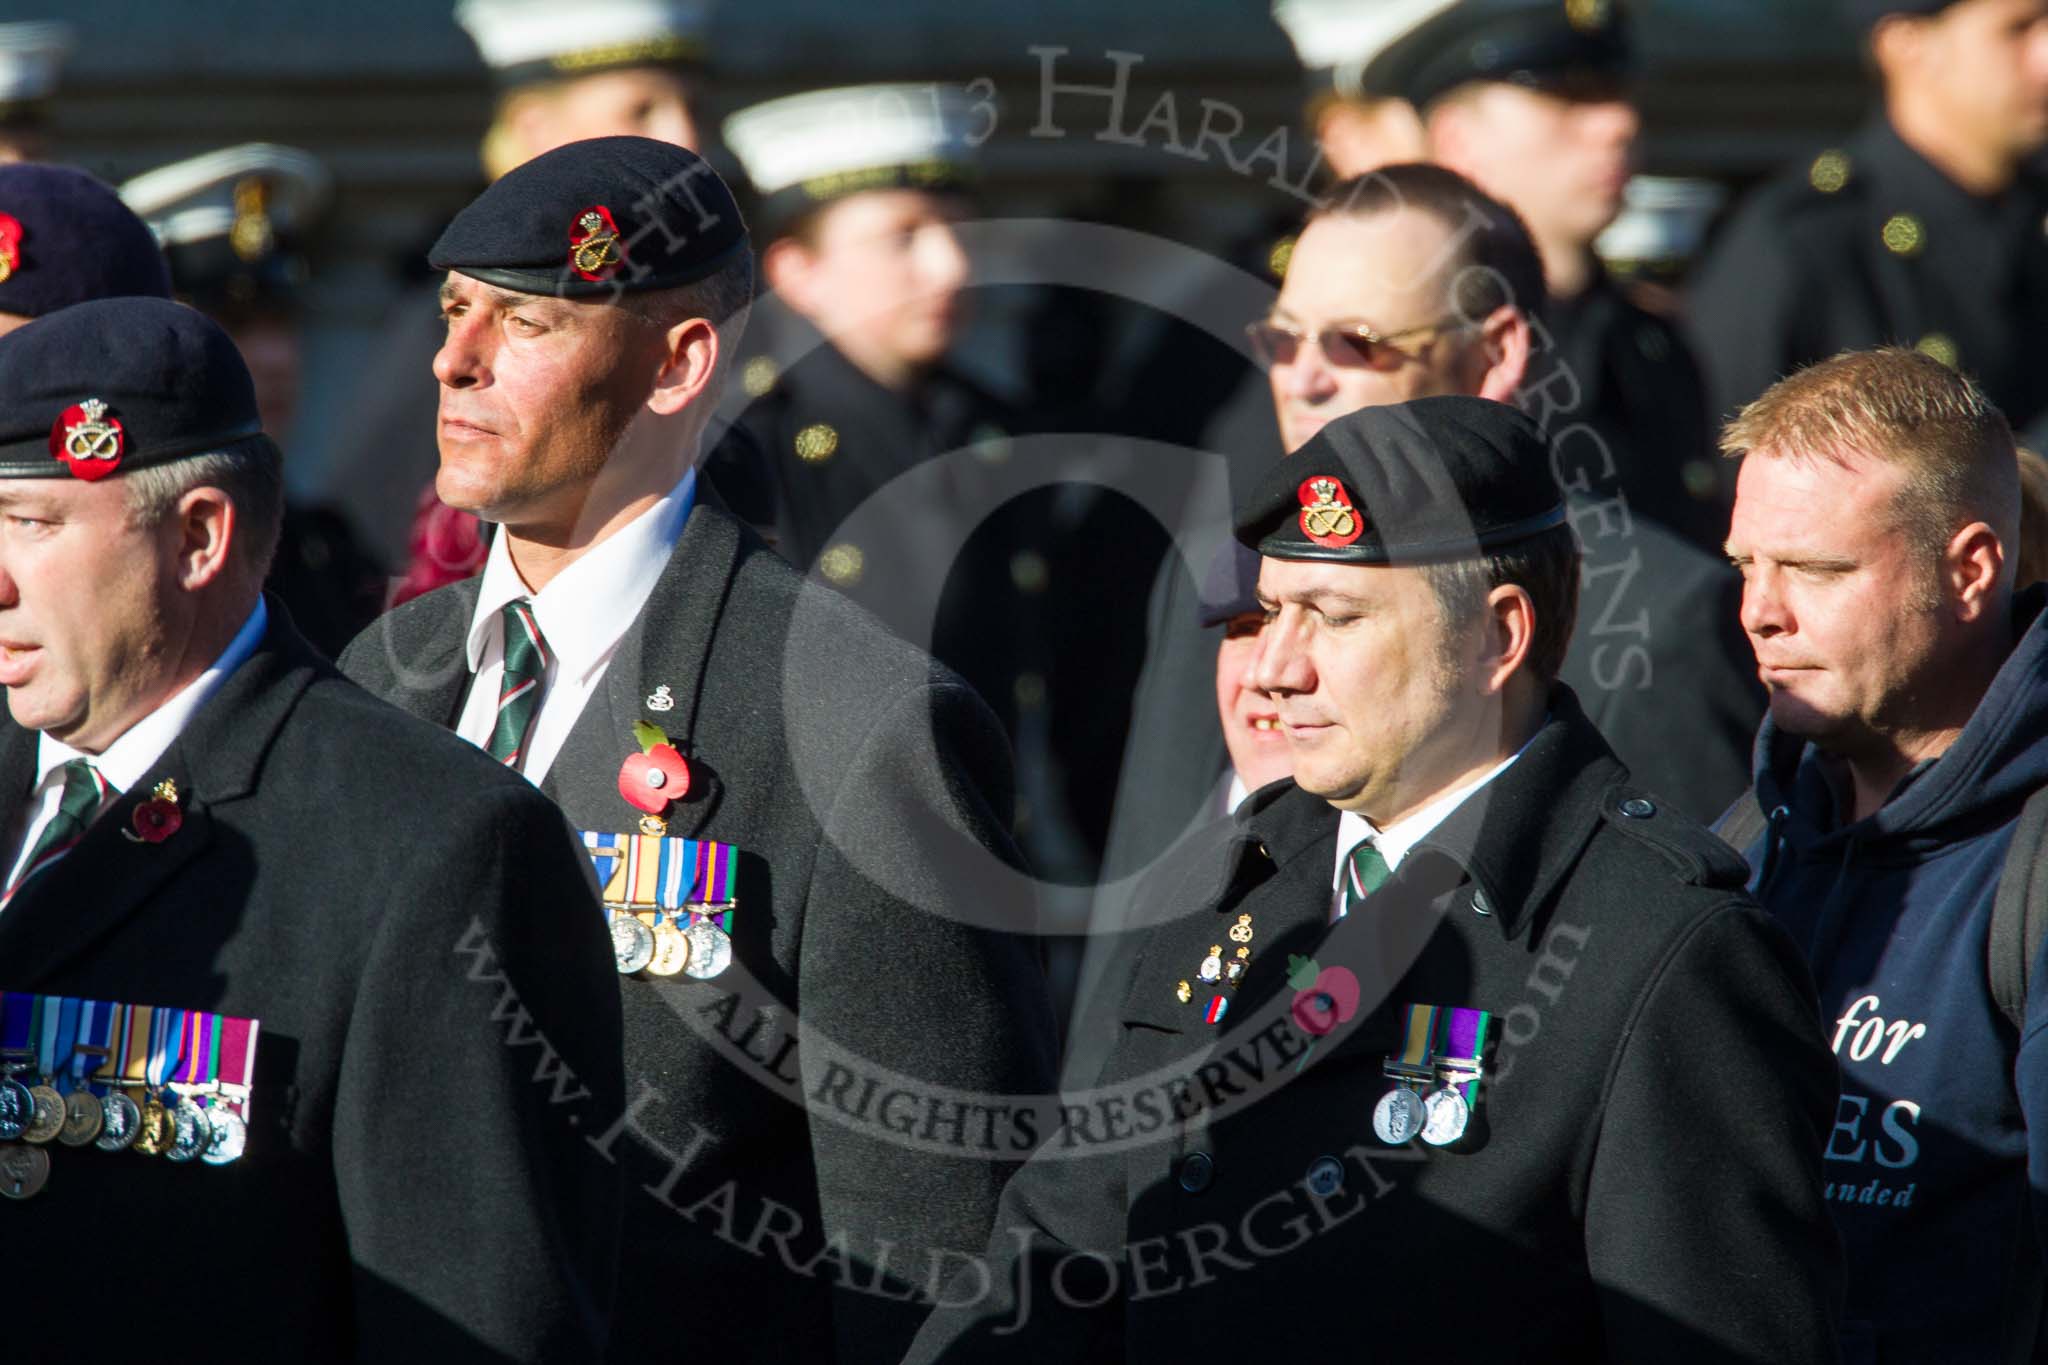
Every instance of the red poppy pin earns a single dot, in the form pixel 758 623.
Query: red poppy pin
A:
pixel 655 776
pixel 1324 997
pixel 595 252
pixel 89 440
pixel 158 818
pixel 10 246
pixel 1327 515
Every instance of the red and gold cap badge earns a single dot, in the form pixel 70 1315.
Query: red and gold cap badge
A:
pixel 10 246
pixel 595 252
pixel 1327 516
pixel 89 440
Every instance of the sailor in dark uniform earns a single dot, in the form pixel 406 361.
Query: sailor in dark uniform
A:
pixel 232 223
pixel 1528 99
pixel 1925 229
pixel 866 452
pixel 32 56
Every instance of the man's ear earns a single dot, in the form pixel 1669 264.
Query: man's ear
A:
pixel 205 526
pixel 691 350
pixel 1972 565
pixel 1503 347
pixel 1510 635
pixel 789 269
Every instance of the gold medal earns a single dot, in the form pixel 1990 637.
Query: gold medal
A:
pixel 83 1118
pixel 49 1115
pixel 671 949
pixel 158 1131
pixel 23 1170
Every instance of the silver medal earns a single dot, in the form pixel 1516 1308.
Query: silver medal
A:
pixel 195 1132
pixel 17 1108
pixel 710 950
pixel 230 1137
pixel 632 944
pixel 1446 1115
pixel 1398 1116
pixel 121 1123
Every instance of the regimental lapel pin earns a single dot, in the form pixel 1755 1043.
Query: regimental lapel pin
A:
pixel 661 699
pixel 595 252
pixel 88 440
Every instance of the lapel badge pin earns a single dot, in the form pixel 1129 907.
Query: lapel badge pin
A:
pixel 661 699
pixel 158 818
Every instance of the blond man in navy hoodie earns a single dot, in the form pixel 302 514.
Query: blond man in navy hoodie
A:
pixel 1876 528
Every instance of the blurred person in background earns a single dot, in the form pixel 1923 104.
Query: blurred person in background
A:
pixel 32 57
pixel 231 223
pixel 1530 100
pixel 1924 229
pixel 46 214
pixel 600 68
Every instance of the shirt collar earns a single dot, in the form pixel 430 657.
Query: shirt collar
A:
pixel 1396 839
pixel 128 759
pixel 584 609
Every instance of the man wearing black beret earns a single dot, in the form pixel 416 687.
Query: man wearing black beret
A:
pixel 1923 229
pixel 222 1022
pixel 66 237
pixel 1478 1052
pixel 691 701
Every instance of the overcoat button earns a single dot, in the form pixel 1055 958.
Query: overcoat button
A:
pixel 1197 1170
pixel 1325 1176
pixel 1636 808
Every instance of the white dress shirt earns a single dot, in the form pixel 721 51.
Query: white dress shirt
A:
pixel 128 759
pixel 1396 839
pixel 583 613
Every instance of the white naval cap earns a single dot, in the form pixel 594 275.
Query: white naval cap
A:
pixel 1662 223
pixel 223 193
pixel 528 40
pixel 805 149
pixel 31 57
pixel 1337 39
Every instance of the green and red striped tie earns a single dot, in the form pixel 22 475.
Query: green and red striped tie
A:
pixel 84 792
pixel 1365 872
pixel 526 670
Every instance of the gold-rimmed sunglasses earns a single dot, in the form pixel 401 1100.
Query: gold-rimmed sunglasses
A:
pixel 1345 345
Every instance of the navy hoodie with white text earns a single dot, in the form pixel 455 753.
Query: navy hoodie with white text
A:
pixel 1944 1106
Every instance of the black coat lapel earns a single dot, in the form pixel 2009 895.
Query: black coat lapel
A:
pixel 112 872
pixel 668 647
pixel 414 657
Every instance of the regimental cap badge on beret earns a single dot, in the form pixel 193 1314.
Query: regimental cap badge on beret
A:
pixel 594 249
pixel 89 440
pixel 1328 516
pixel 10 246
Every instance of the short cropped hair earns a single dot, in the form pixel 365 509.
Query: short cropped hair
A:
pixel 723 298
pixel 1494 262
pixel 1546 566
pixel 1901 407
pixel 250 472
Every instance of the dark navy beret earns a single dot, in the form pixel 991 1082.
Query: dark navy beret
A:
pixel 1864 14
pixel 1231 587
pixel 1532 42
pixel 117 384
pixel 1422 482
pixel 66 238
pixel 593 218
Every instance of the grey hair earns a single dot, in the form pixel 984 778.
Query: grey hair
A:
pixel 723 298
pixel 250 472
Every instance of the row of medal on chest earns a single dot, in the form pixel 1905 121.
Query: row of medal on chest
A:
pixel 179 1123
pixel 650 941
